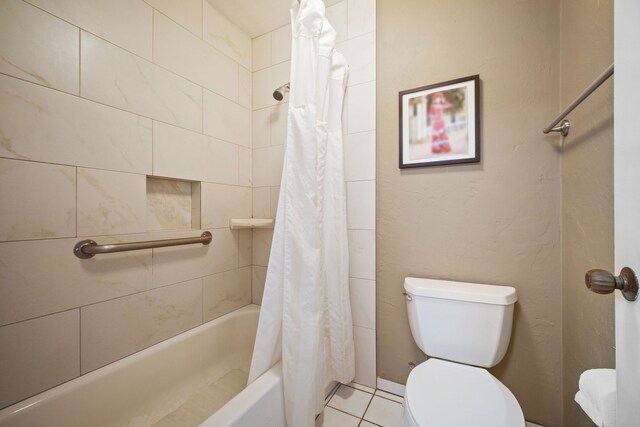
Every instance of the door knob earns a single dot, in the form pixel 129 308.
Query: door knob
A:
pixel 603 282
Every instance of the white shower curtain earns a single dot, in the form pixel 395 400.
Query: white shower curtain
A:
pixel 305 319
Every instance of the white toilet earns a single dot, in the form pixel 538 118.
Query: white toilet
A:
pixel 463 328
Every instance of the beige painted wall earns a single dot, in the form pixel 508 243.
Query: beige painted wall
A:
pixel 587 196
pixel 495 222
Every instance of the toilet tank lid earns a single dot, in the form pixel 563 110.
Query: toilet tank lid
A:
pixel 460 291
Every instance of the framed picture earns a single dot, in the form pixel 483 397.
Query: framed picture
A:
pixel 440 123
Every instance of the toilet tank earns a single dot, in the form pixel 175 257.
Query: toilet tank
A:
pixel 467 323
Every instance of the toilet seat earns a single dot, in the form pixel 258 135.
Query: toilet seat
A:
pixel 443 394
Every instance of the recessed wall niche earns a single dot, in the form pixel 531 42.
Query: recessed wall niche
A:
pixel 172 204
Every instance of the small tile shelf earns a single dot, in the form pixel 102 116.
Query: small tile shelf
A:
pixel 244 223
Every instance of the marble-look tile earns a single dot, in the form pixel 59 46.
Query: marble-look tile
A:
pixel 225 36
pixel 118 78
pixel 360 156
pixel 110 202
pixel 245 242
pixel 182 154
pixel 245 81
pixel 361 105
pixel 333 418
pixel 196 205
pixel 119 327
pixel 268 170
pixel 224 292
pixel 362 254
pixel 220 203
pixel 337 16
pixel 361 205
pixel 365 345
pixel 258 277
pixel 384 412
pixel 59 281
pixel 363 302
pixel 261 124
pixel 38 354
pixel 226 120
pixel 38 47
pixel 168 204
pixel 187 13
pixel 245 166
pixel 275 195
pixel 179 263
pixel 362 387
pixel 39 200
pixel 279 119
pixel 188 56
pixel 266 81
pixel 262 246
pixel 123 22
pixel 361 56
pixel 281 45
pixel 365 423
pixel 361 17
pixel 48 126
pixel 261 52
pixel 350 400
pixel 390 396
pixel 261 202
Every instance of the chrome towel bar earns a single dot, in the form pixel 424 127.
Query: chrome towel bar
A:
pixel 564 127
pixel 88 248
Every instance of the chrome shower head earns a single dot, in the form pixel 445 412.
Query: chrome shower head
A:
pixel 279 93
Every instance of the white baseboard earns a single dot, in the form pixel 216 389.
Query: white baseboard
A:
pixel 390 387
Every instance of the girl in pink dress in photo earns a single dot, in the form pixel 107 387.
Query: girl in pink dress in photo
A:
pixel 439 137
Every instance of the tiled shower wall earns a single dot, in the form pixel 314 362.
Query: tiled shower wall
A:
pixel 354 21
pixel 95 96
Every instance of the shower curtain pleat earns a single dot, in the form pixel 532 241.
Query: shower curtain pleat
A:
pixel 305 319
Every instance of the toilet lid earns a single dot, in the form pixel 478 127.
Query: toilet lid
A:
pixel 441 393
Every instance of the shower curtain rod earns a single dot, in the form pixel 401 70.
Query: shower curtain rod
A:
pixel 564 127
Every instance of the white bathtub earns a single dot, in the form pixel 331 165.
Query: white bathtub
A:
pixel 169 380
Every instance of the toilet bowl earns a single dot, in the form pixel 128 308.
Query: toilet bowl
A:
pixel 463 328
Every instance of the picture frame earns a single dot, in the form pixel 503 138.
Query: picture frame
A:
pixel 440 123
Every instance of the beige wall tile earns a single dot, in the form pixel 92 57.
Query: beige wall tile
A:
pixel 362 254
pixel 261 52
pixel 261 202
pixel 361 56
pixel 245 243
pixel 226 120
pixel 279 119
pixel 179 153
pixel 119 327
pixel 258 277
pixel 262 246
pixel 224 292
pixel 60 281
pixel 38 354
pixel 187 13
pixel 361 106
pixel 123 22
pixel 221 33
pixel 268 170
pixel 245 82
pixel 219 203
pixel 39 200
pixel 363 302
pixel 337 16
pixel 115 77
pixel 361 205
pixel 245 166
pixel 361 17
pixel 38 47
pixel 169 204
pixel 360 156
pixel 261 127
pixel 48 126
pixel 365 346
pixel 180 263
pixel 275 195
pixel 111 202
pixel 266 81
pixel 188 56
pixel 281 45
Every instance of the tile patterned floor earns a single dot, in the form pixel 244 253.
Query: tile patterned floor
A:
pixel 354 405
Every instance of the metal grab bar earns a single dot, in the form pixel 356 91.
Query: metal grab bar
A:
pixel 566 125
pixel 88 248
